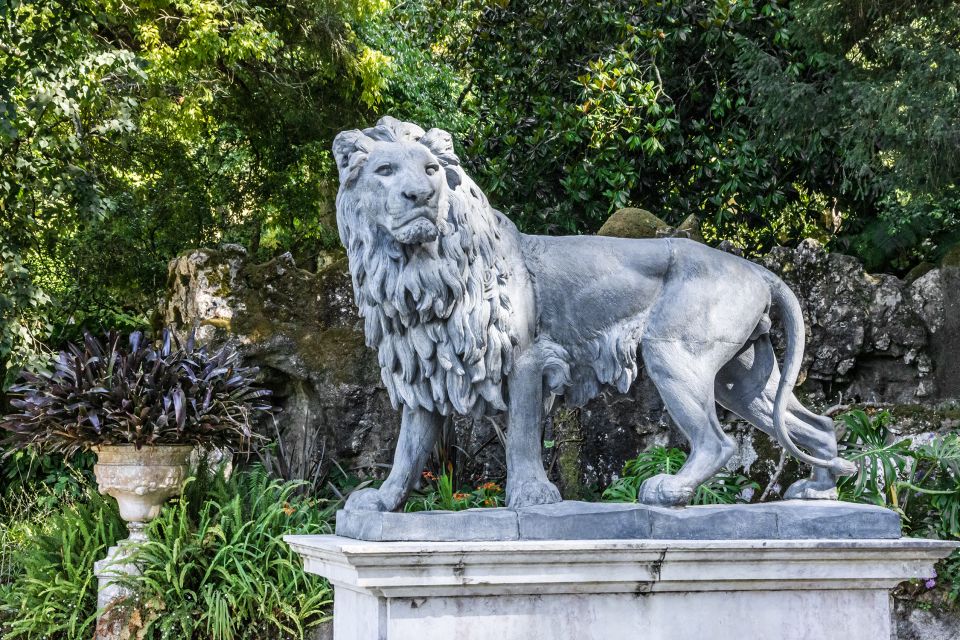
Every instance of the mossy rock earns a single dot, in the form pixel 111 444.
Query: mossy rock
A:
pixel 952 257
pixel 632 222
pixel 918 272
pixel 690 228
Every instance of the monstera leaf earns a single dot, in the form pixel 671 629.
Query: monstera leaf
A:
pixel 881 458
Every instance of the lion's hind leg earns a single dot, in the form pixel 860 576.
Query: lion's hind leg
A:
pixel 684 374
pixel 747 385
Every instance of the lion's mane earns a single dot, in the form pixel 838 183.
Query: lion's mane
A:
pixel 439 316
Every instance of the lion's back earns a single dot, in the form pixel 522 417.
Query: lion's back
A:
pixel 586 283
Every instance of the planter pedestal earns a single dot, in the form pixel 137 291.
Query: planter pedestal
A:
pixel 141 481
pixel 112 621
pixel 616 589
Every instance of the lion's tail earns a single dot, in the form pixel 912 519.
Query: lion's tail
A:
pixel 792 315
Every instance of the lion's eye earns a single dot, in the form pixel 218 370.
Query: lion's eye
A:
pixel 384 170
pixel 432 169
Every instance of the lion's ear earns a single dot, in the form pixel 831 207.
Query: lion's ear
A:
pixel 344 145
pixel 350 152
pixel 440 143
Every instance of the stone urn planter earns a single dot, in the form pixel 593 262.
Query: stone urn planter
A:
pixel 141 480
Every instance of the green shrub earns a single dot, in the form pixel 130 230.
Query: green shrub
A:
pixel 31 481
pixel 216 565
pixel 725 488
pixel 53 592
pixel 919 481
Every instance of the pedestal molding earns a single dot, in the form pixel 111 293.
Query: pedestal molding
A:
pixel 402 569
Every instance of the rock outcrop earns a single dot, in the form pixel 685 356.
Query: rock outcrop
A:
pixel 631 222
pixel 301 329
pixel 870 338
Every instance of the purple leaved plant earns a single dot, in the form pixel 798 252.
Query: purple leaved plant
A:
pixel 136 393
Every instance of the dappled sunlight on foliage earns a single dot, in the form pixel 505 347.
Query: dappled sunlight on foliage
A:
pixel 132 131
pixel 135 131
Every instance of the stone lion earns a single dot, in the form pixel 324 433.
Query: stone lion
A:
pixel 469 316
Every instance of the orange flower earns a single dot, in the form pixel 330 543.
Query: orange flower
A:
pixel 489 502
pixel 287 509
pixel 461 496
pixel 490 486
pixel 427 475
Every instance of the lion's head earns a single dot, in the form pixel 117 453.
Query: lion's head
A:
pixel 400 185
pixel 424 251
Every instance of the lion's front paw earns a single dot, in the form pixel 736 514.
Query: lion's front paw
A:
pixel 530 493
pixel 811 490
pixel 365 500
pixel 665 490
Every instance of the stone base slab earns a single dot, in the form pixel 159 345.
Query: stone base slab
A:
pixel 615 589
pixel 572 520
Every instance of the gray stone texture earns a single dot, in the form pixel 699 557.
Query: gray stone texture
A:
pixel 922 620
pixel 302 329
pixel 574 520
pixel 871 335
pixel 471 525
pixel 472 317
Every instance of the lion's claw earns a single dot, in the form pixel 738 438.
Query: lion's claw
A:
pixel 530 493
pixel 810 490
pixel 665 490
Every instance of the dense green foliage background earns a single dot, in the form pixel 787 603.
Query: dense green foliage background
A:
pixel 130 131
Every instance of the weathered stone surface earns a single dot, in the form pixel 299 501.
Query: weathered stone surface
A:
pixel 632 222
pixel 945 341
pixel 302 330
pixel 934 623
pixel 689 228
pixel 575 520
pixel 437 526
pixel 868 335
pixel 870 338
pixel 610 589
pixel 572 520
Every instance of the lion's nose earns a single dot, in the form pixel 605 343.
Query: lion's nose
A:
pixel 419 196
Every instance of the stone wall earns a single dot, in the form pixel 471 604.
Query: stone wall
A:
pixel 870 338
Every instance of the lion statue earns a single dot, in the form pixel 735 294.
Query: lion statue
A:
pixel 469 316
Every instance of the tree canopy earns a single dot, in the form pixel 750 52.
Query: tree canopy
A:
pixel 131 131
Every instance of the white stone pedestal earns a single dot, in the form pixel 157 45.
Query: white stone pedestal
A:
pixel 111 594
pixel 616 589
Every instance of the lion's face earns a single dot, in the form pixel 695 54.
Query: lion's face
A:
pixel 401 187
